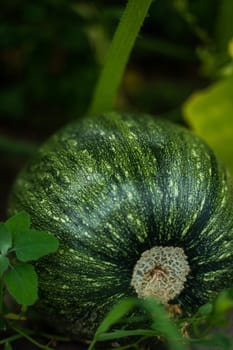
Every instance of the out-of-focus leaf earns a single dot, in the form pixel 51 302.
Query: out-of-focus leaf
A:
pixel 210 114
pixel 224 302
pixel 116 314
pixel 217 341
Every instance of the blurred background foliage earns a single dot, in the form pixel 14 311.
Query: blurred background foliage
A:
pixel 52 52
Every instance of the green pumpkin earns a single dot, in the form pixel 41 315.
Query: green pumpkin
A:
pixel 140 206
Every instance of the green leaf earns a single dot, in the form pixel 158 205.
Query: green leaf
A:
pixel 21 282
pixel 18 222
pixel 205 309
pixel 126 333
pixel 209 113
pixel 164 325
pixel 114 316
pixel 5 239
pixel 117 312
pixel 33 244
pixel 223 302
pixel 4 263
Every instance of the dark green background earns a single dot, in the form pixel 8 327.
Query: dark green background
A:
pixel 49 66
pixel 51 52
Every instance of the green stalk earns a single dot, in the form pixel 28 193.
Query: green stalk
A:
pixel 224 26
pixel 25 335
pixel 10 339
pixel 1 297
pixel 118 55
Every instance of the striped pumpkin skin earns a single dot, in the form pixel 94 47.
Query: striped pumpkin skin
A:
pixel 112 187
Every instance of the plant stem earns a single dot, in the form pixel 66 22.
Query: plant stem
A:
pixel 30 339
pixel 10 339
pixel 224 30
pixel 1 295
pixel 21 334
pixel 55 337
pixel 183 9
pixel 118 55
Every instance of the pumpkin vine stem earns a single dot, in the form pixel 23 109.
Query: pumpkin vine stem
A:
pixel 1 296
pixel 118 55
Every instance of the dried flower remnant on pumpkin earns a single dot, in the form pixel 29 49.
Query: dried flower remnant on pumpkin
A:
pixel 160 272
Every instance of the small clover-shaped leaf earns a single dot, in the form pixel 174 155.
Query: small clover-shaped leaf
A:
pixel 4 263
pixel 21 282
pixel 5 239
pixel 18 222
pixel 33 244
pixel 18 245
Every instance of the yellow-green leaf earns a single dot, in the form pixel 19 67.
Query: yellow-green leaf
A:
pixel 210 114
